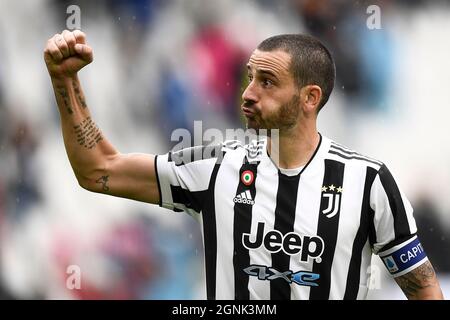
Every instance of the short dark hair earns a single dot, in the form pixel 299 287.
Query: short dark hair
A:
pixel 311 62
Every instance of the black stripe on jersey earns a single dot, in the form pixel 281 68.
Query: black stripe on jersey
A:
pixel 372 230
pixel 401 225
pixel 284 223
pixel 327 229
pixel 190 199
pixel 157 180
pixel 242 224
pixel 210 233
pixel 342 155
pixel 349 152
pixel 367 214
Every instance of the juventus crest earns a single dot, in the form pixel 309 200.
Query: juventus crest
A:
pixel 332 196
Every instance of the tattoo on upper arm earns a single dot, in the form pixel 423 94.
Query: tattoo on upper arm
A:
pixel 79 94
pixel 420 278
pixel 104 181
pixel 88 134
pixel 65 97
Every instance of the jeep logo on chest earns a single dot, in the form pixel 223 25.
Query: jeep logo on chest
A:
pixel 290 243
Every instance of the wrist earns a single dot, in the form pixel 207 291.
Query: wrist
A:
pixel 63 80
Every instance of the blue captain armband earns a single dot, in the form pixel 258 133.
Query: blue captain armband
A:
pixel 404 257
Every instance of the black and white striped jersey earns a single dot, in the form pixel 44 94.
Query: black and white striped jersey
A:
pixel 269 235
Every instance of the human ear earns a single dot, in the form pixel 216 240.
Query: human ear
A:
pixel 311 96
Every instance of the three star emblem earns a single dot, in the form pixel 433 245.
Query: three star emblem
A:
pixel 332 187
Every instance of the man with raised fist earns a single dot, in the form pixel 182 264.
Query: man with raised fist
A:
pixel 299 225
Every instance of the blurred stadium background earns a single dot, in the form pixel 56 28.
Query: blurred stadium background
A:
pixel 160 65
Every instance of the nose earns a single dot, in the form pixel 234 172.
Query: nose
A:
pixel 249 95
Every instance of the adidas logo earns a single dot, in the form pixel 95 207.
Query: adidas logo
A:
pixel 245 197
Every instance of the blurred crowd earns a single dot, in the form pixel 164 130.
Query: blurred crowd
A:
pixel 160 65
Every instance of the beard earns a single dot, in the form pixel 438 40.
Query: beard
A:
pixel 284 118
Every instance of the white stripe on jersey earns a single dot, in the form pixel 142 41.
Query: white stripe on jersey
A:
pixel 409 211
pixel 265 201
pixel 384 219
pixel 349 214
pixel 364 274
pixel 224 192
pixel 164 170
pixel 306 217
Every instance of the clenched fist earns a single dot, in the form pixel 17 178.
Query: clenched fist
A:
pixel 66 53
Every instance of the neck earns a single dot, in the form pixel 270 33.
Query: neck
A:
pixel 296 147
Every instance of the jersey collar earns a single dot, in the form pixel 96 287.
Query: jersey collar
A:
pixel 311 166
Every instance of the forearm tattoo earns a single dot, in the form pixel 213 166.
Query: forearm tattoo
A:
pixel 79 94
pixel 65 97
pixel 88 134
pixel 104 181
pixel 420 278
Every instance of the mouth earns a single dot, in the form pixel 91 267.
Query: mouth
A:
pixel 248 112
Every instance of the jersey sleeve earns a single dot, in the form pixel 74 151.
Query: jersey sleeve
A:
pixel 183 179
pixel 394 228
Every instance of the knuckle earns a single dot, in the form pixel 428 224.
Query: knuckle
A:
pixel 52 47
pixel 79 33
pixel 68 34
pixel 63 45
pixel 54 51
pixel 70 40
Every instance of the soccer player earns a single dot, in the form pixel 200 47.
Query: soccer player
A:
pixel 301 226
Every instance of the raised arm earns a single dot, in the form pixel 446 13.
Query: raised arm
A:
pixel 97 165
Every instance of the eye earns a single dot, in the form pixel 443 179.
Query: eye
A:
pixel 267 82
pixel 250 77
